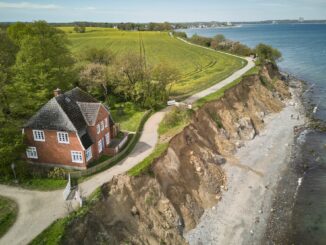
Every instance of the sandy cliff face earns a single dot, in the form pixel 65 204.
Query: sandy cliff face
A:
pixel 156 208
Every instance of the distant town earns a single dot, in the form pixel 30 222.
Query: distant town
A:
pixel 178 25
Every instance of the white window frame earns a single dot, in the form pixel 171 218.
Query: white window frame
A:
pixel 99 146
pixel 89 154
pixel 77 157
pixel 98 128
pixel 102 125
pixel 63 137
pixel 39 135
pixel 31 152
pixel 107 138
pixel 106 122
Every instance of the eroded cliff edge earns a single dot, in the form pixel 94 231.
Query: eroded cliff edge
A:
pixel 156 207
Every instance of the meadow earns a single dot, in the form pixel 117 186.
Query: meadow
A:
pixel 199 68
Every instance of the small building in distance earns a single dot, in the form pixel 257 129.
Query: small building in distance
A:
pixel 71 130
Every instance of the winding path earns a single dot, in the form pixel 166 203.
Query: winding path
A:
pixel 37 209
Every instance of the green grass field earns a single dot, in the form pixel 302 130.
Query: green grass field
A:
pixel 199 68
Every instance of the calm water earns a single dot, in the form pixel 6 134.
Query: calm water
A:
pixel 304 55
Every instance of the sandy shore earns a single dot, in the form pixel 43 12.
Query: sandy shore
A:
pixel 242 214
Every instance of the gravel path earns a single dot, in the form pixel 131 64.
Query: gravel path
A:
pixel 37 209
pixel 242 214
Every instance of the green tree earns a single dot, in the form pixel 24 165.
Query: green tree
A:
pixel 98 55
pixel 267 53
pixel 94 78
pixel 148 86
pixel 11 148
pixel 79 29
pixel 43 63
pixel 34 60
pixel 11 144
pixel 8 52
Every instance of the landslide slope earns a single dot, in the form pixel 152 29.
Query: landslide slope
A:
pixel 157 206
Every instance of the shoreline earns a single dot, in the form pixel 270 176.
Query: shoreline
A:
pixel 242 216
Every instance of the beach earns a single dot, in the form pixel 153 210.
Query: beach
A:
pixel 253 175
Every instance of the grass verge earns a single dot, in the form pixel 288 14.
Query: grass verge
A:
pixel 43 184
pixel 40 184
pixel 8 214
pixel 218 94
pixel 144 165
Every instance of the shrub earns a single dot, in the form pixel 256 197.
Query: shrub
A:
pixel 57 173
pixel 180 34
pixel 177 117
pixel 267 53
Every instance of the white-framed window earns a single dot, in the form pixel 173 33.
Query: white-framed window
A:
pixel 99 144
pixel 77 156
pixel 63 137
pixel 31 152
pixel 98 129
pixel 38 135
pixel 102 125
pixel 107 138
pixel 89 154
pixel 106 122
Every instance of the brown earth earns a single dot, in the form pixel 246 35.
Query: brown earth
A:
pixel 156 207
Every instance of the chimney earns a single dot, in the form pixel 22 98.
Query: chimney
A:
pixel 57 92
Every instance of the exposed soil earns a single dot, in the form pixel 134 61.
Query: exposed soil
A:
pixel 158 207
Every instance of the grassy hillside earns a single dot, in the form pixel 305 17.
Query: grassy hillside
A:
pixel 200 68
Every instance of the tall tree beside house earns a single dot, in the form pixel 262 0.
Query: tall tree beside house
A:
pixel 43 63
pixel 94 77
pixel 34 60
pixel 148 86
pixel 102 56
pixel 10 135
pixel 8 52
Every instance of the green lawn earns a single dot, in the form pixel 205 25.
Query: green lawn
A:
pixel 129 117
pixel 8 214
pixel 200 68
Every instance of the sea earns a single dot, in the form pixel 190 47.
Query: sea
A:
pixel 303 48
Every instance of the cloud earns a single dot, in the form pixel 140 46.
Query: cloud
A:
pixel 27 5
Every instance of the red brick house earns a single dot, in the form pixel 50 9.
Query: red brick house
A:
pixel 71 130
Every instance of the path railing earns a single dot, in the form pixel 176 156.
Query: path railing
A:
pixel 116 158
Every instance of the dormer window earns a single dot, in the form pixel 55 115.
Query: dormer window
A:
pixel 98 129
pixel 63 137
pixel 38 135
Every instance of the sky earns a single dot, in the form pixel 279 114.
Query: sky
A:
pixel 160 10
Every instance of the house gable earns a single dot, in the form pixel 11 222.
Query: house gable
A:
pixel 51 117
pixel 89 111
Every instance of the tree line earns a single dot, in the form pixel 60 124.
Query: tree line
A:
pixel 35 60
pixel 264 52
pixel 165 26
